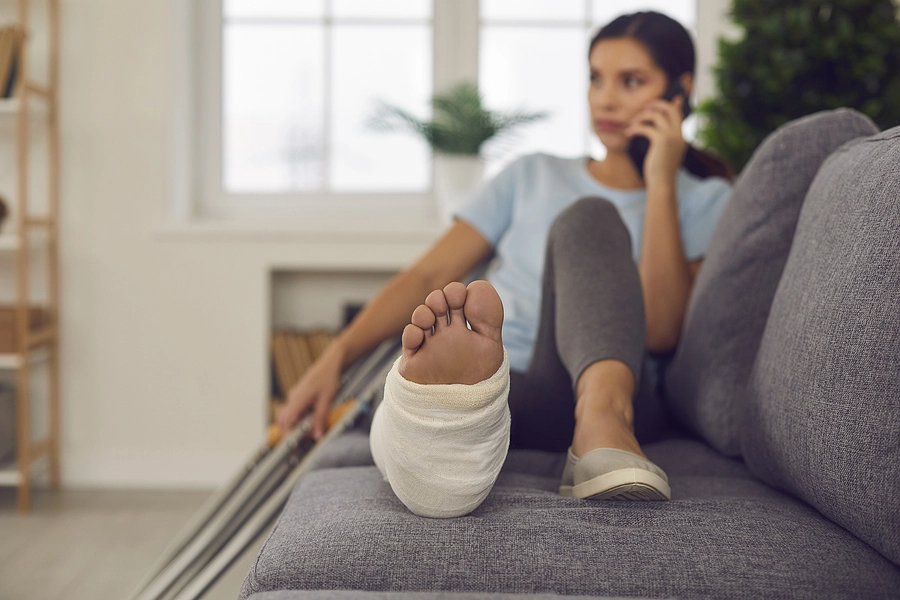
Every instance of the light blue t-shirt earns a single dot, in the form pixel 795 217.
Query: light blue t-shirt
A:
pixel 515 210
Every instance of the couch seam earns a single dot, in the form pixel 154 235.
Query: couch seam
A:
pixel 255 581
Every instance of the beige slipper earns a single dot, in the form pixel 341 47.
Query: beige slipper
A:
pixel 613 474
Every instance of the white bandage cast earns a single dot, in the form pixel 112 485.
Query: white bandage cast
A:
pixel 441 447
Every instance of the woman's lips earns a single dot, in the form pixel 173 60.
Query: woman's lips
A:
pixel 607 125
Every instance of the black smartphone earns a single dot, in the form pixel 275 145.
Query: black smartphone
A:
pixel 639 145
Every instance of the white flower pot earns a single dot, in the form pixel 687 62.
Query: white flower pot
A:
pixel 457 178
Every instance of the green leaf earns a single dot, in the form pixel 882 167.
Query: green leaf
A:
pixel 460 123
pixel 797 58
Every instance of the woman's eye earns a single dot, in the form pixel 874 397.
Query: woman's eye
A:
pixel 632 82
pixel 595 78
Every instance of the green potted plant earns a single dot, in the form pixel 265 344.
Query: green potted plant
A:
pixel 456 133
pixel 796 58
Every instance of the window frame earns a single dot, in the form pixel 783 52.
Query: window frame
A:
pixel 390 212
pixel 196 134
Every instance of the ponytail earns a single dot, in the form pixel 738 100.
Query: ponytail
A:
pixel 703 164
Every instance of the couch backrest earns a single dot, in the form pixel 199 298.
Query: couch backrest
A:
pixel 705 383
pixel 822 419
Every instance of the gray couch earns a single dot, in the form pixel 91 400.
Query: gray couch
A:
pixel 784 455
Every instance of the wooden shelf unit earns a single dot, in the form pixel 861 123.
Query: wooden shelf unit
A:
pixel 42 340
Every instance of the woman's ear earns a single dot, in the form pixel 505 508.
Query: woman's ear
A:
pixel 687 83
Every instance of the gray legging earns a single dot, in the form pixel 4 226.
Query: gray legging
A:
pixel 592 309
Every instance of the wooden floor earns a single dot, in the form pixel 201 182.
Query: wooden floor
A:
pixel 95 545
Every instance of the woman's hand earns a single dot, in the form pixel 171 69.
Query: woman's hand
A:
pixel 316 389
pixel 660 121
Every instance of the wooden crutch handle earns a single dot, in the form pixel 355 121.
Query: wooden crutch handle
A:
pixel 273 433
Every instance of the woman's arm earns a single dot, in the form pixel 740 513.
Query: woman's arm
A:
pixel 452 257
pixel 666 275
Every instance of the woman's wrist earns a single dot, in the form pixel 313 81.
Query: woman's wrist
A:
pixel 663 187
pixel 336 353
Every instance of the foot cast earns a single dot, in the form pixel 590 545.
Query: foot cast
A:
pixel 441 432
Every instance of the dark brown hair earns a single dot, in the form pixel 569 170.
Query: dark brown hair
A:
pixel 671 47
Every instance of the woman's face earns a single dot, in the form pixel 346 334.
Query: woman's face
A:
pixel 624 78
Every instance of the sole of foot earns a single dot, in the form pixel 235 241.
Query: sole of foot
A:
pixel 454 337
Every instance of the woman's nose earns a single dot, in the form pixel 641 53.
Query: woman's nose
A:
pixel 604 97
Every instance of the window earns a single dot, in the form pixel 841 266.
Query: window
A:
pixel 298 81
pixel 283 89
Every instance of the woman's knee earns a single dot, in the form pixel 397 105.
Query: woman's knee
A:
pixel 594 216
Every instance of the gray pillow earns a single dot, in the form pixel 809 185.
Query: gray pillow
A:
pixel 823 417
pixel 729 305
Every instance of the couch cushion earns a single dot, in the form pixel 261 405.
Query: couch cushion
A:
pixel 350 449
pixel 724 535
pixel 360 595
pixel 824 420
pixel 706 380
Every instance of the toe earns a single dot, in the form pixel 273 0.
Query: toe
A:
pixel 484 309
pixel 455 293
pixel 423 318
pixel 438 305
pixel 412 339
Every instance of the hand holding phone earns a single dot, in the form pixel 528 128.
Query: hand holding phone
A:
pixel 639 144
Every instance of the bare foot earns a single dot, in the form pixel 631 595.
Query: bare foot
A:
pixel 438 347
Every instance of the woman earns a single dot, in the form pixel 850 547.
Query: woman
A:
pixel 590 288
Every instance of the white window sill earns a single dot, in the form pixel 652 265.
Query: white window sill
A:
pixel 409 229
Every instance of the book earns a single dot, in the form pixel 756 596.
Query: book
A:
pixel 300 352
pixel 293 352
pixel 10 88
pixel 7 42
pixel 284 367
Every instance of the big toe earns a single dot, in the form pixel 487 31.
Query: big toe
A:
pixel 484 309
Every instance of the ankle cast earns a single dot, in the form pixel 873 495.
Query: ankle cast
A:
pixel 441 447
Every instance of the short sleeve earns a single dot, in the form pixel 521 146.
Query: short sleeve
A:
pixel 490 210
pixel 700 208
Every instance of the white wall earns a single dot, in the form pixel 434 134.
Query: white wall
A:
pixel 164 335
pixel 712 23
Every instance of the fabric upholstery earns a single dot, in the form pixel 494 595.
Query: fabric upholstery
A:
pixel 706 381
pixel 361 595
pixel 350 449
pixel 824 417
pixel 724 535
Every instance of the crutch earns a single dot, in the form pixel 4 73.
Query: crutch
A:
pixel 214 504
pixel 227 511
pixel 268 513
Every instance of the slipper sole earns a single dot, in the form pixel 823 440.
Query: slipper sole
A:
pixel 622 484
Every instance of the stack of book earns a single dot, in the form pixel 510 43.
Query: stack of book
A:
pixel 292 354
pixel 10 44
